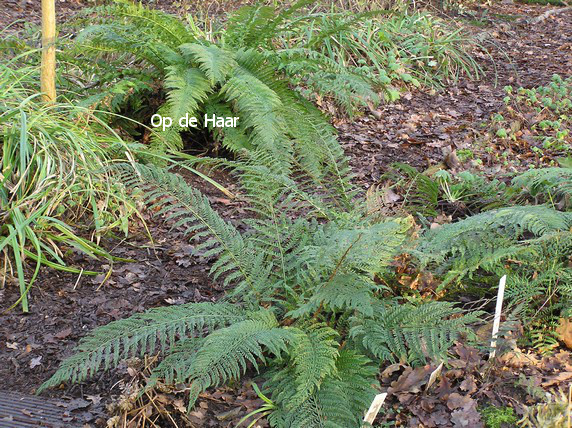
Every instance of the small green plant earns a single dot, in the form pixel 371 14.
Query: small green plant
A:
pixel 465 155
pixel 458 194
pixel 499 417
pixel 543 112
pixel 546 185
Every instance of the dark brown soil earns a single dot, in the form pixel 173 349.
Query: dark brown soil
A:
pixel 64 307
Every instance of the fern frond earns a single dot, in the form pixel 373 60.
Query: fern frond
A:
pixel 127 27
pixel 547 184
pixel 361 248
pixel 270 191
pixel 404 332
pixel 345 292
pixel 174 368
pixel 165 27
pixel 141 333
pixel 338 403
pixel 259 105
pixel 421 192
pixel 225 353
pixel 238 261
pixel 314 352
pixel 248 25
pixel 188 87
pixel 215 62
pixel 104 39
pixel 490 237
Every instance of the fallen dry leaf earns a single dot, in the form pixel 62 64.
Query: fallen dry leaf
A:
pixel 411 380
pixel 564 331
pixel 469 385
pixel 556 380
pixel 35 362
pixel 457 400
pixel 63 334
pixel 468 417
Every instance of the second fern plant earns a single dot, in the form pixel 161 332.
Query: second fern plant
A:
pixel 304 304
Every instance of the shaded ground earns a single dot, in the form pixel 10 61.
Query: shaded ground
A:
pixel 415 130
pixel 64 307
pixel 418 128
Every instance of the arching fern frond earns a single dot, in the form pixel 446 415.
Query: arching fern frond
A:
pixel 237 261
pixel 364 248
pixel 165 27
pixel 489 238
pixel 139 334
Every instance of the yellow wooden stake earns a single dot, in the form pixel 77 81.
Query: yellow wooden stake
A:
pixel 48 73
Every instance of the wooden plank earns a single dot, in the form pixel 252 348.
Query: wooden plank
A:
pixel 24 411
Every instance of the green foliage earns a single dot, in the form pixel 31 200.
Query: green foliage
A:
pixel 310 62
pixel 349 57
pixel 426 45
pixel 488 240
pixel 352 57
pixel 543 293
pixel 291 306
pixel 548 185
pixel 532 244
pixel 202 76
pixel 542 113
pixel 53 172
pixel 393 332
pixel 142 333
pixel 352 383
pixel 499 417
pixel 457 194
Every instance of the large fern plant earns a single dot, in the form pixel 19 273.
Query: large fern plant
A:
pixel 532 244
pixel 281 35
pixel 202 75
pixel 303 302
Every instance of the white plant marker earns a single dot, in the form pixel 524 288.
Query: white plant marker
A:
pixel 496 322
pixel 374 408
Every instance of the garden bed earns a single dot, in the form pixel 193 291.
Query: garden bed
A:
pixel 424 129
